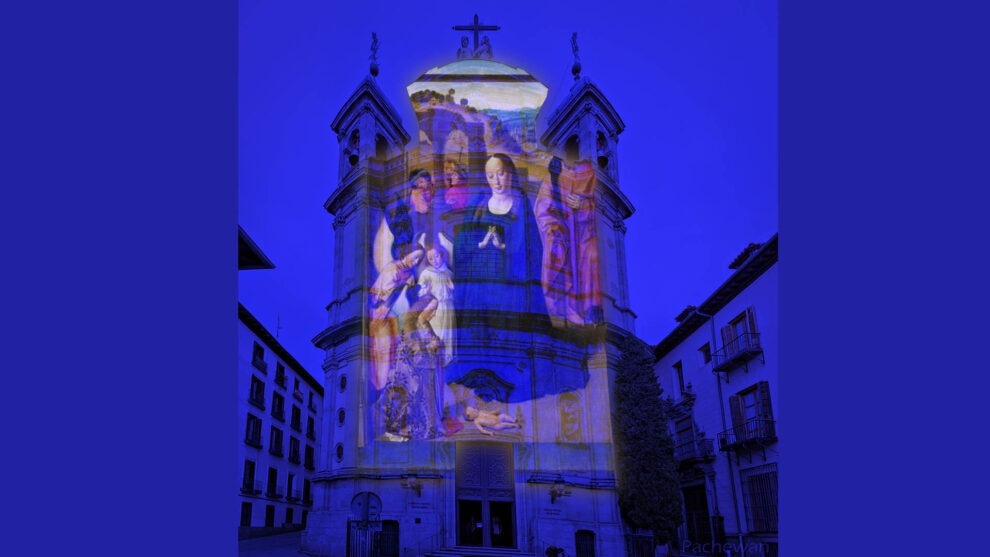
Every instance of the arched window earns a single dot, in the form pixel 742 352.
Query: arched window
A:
pixel 353 147
pixel 601 146
pixel 571 151
pixel 381 148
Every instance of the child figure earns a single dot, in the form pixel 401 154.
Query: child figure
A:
pixel 436 289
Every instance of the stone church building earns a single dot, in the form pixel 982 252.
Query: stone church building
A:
pixel 478 301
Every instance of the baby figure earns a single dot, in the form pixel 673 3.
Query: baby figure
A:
pixel 394 275
pixel 486 421
pixel 436 289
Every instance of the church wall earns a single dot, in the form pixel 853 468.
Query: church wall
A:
pixel 526 358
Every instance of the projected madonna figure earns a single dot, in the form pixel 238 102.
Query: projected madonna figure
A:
pixel 500 173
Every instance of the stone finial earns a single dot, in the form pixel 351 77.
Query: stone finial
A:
pixel 576 67
pixel 374 54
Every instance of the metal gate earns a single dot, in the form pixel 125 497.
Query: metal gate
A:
pixel 363 538
pixel 364 531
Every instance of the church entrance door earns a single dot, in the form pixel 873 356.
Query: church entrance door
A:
pixel 486 494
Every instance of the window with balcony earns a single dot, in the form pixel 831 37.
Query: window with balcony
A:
pixel 689 445
pixel 280 374
pixel 253 434
pixel 309 458
pixel 293 450
pixel 272 490
pixel 257 395
pixel 289 485
pixel 310 428
pixel 296 418
pixel 275 441
pixel 740 341
pixel 311 405
pixel 258 358
pixel 296 393
pixel 247 480
pixel 752 418
pixel 278 407
pixel 759 487
pixel 683 438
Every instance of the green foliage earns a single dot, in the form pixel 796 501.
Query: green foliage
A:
pixel 647 482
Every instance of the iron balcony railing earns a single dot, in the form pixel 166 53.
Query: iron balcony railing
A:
pixel 261 365
pixel 273 492
pixel 248 486
pixel 259 402
pixel 275 450
pixel 280 380
pixel 312 407
pixel 696 449
pixel 254 441
pixel 741 349
pixel 297 394
pixel 310 434
pixel 278 414
pixel 294 495
pixel 756 431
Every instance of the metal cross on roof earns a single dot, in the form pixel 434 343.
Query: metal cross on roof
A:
pixel 477 27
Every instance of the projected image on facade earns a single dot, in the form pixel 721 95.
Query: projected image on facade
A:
pixel 479 306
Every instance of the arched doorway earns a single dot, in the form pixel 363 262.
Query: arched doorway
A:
pixel 364 525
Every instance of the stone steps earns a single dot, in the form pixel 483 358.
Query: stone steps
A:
pixel 478 552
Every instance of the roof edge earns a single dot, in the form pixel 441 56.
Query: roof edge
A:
pixel 758 263
pixel 257 328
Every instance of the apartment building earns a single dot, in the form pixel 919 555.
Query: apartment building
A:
pixel 279 405
pixel 718 370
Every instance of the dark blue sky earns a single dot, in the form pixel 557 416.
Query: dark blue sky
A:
pixel 695 83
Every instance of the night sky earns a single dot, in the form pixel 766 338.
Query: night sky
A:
pixel 695 83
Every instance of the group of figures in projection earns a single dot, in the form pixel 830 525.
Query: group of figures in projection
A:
pixel 443 246
pixel 486 231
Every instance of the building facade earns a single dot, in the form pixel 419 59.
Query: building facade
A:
pixel 279 405
pixel 479 297
pixel 718 369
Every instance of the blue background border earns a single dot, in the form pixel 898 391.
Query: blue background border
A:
pixel 121 232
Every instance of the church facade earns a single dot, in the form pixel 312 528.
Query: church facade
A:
pixel 478 300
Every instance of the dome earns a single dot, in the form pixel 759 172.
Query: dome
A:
pixel 484 85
